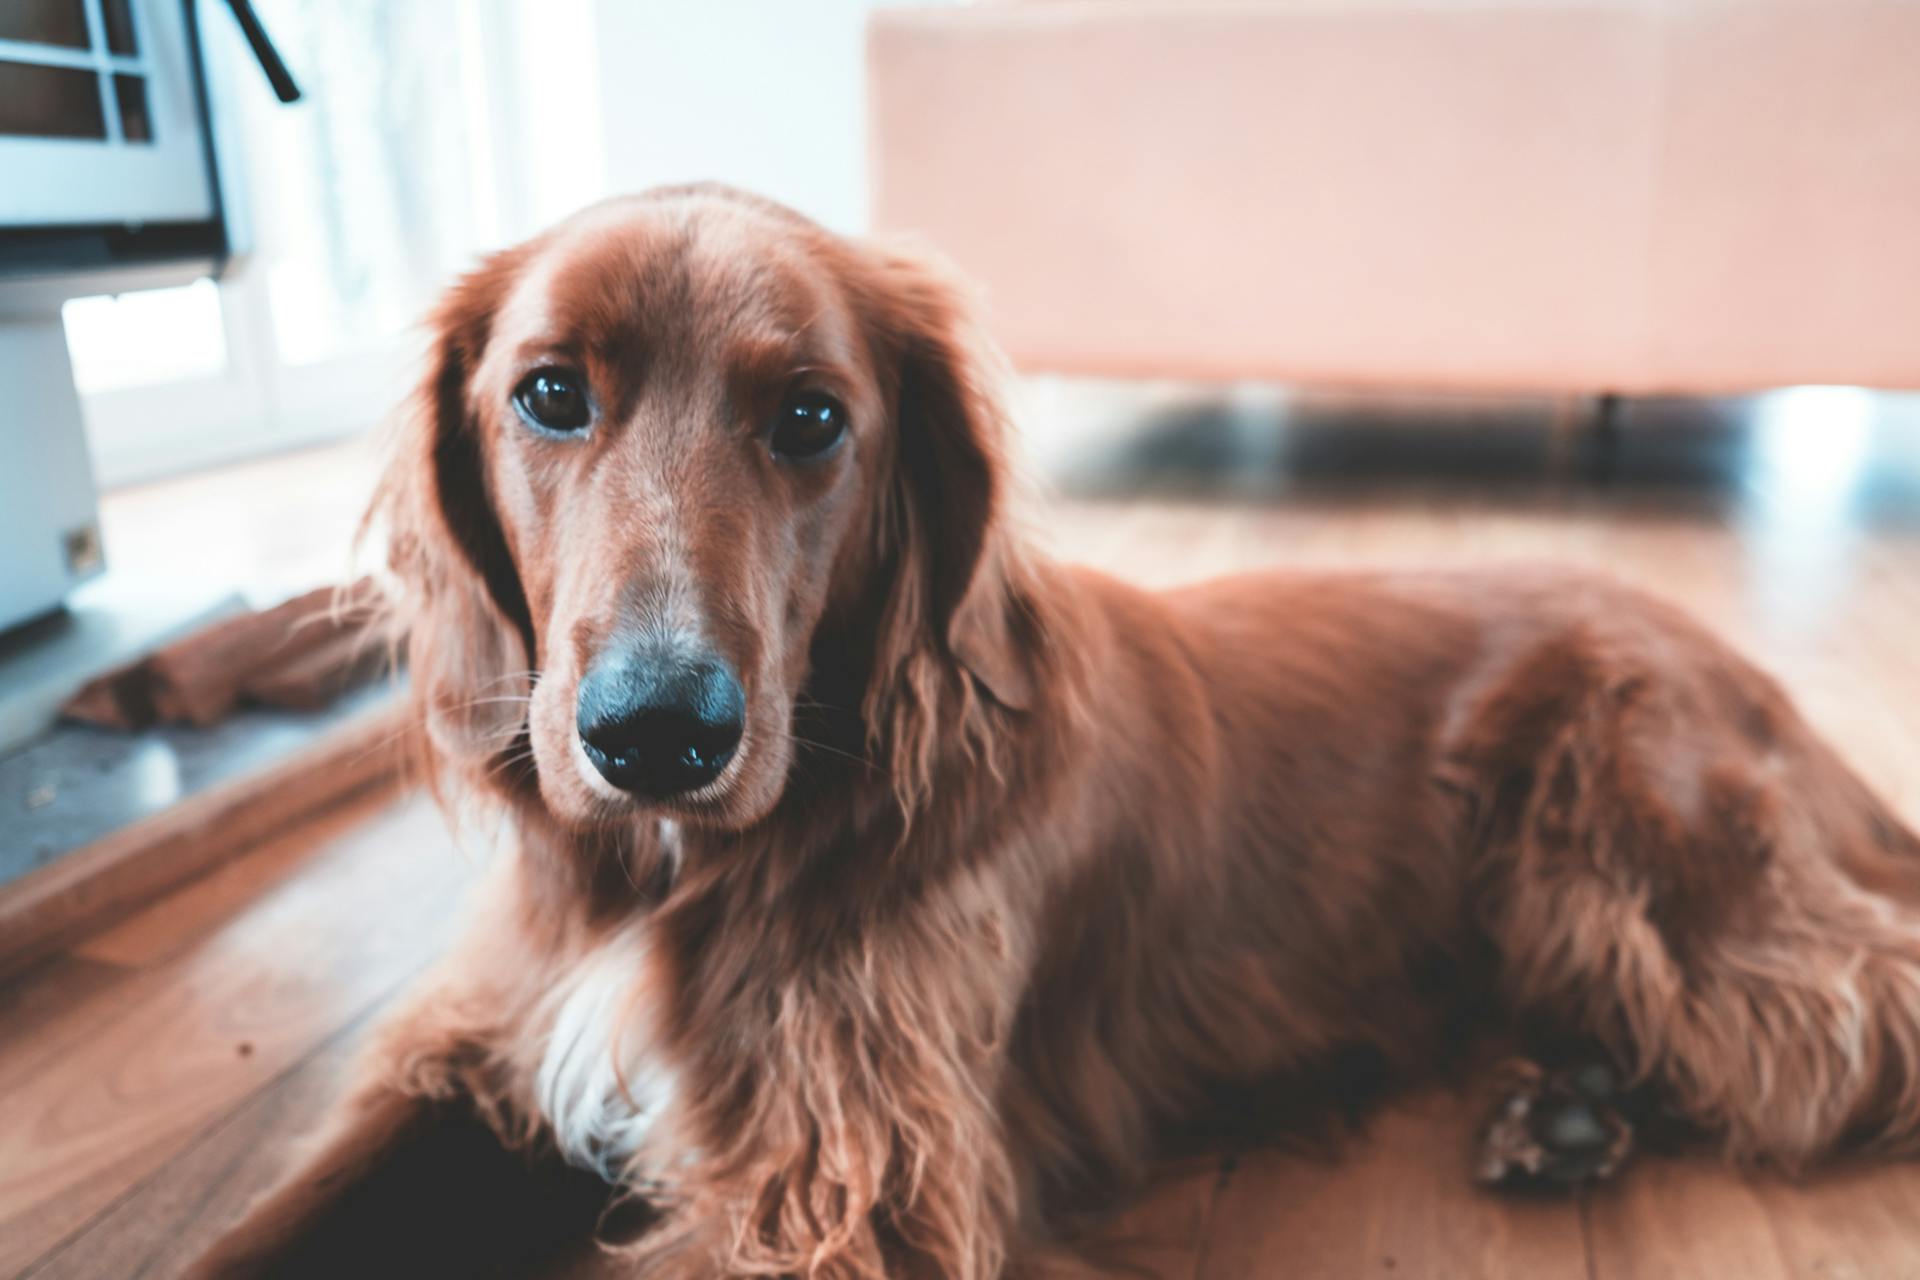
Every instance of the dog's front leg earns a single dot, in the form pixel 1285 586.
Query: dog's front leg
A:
pixel 861 1137
pixel 408 1177
pixel 426 1166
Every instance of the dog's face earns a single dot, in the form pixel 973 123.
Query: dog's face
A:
pixel 683 426
pixel 687 413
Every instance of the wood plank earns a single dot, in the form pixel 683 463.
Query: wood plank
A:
pixel 1162 1234
pixel 1848 1223
pixel 1678 1219
pixel 1398 1201
pixel 160 931
pixel 191 1038
pixel 461 1199
pixel 75 994
pixel 34 1009
pixel 180 1208
pixel 82 891
pixel 1673 1220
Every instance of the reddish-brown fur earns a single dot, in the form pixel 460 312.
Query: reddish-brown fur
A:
pixel 1024 870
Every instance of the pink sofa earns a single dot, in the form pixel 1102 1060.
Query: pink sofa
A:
pixel 1541 195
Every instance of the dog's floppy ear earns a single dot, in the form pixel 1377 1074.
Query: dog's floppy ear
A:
pixel 470 644
pixel 952 473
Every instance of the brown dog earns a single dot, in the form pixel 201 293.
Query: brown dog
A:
pixel 881 889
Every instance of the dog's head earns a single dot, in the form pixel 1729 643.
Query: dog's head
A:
pixel 662 455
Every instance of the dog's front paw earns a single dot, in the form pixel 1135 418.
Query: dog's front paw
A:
pixel 1561 1128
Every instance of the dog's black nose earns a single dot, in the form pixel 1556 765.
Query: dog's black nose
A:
pixel 658 729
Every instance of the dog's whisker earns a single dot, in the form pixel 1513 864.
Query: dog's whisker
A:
pixel 811 744
pixel 507 677
pixel 504 734
pixel 500 764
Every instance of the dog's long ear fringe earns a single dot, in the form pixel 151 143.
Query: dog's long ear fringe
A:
pixel 957 606
pixel 468 634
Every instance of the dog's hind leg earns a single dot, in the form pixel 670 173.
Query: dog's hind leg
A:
pixel 1553 1126
pixel 1670 861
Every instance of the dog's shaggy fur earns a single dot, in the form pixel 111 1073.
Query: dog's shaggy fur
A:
pixel 1020 871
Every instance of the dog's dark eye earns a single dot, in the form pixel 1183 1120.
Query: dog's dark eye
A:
pixel 808 425
pixel 554 399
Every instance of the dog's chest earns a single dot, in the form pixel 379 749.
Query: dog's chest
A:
pixel 602 1084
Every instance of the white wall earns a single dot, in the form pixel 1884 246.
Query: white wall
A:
pixel 764 94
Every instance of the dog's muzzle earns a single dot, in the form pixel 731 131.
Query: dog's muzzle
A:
pixel 660 727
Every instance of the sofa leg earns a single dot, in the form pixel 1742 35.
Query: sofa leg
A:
pixel 1607 413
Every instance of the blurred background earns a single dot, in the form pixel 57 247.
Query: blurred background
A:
pixel 1509 243
pixel 1561 200
pixel 1632 284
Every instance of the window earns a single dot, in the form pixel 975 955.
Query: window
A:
pixel 73 69
pixel 409 156
pixel 157 336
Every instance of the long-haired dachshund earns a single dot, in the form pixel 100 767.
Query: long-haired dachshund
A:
pixel 880 890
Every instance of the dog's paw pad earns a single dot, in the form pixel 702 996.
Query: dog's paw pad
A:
pixel 1553 1128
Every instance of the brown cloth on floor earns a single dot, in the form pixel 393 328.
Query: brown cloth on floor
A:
pixel 300 655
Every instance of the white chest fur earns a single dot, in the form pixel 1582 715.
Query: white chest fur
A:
pixel 601 1083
